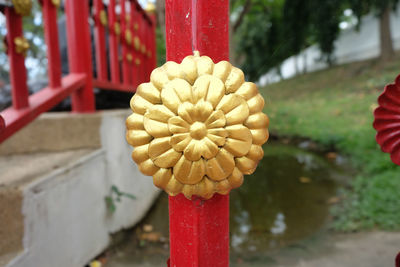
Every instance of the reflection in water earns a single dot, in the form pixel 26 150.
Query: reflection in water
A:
pixel 275 206
pixel 282 203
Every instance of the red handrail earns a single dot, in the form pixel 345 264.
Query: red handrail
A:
pixel 116 67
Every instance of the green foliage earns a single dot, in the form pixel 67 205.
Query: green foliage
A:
pixel 160 47
pixel 114 197
pixel 334 107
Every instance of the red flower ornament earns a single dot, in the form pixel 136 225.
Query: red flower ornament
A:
pixel 387 120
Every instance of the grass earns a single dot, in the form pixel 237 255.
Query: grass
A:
pixel 334 107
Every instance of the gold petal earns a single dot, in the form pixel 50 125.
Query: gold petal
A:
pixel 256 104
pixel 209 148
pixel 147 167
pixel 178 125
pixel 189 172
pixel 256 153
pixel 257 121
pixel 260 136
pixel 236 178
pixel 159 146
pixel 204 189
pixel 221 166
pixel 203 110
pixel 155 121
pixel 159 78
pixel 186 112
pixel 247 90
pixel 139 104
pixel 167 159
pixel 135 122
pixel 159 113
pixel 149 92
pixel 246 165
pixel 173 70
pixel 138 137
pixel 189 190
pixel 162 177
pixel 173 187
pixel 239 140
pixel 234 80
pixel 193 150
pixel 235 109
pixel 175 93
pixel 223 187
pixel 209 88
pixel 204 65
pixel 140 153
pixel 189 68
pixel 218 136
pixel 221 70
pixel 180 141
pixel 216 120
pixel 156 128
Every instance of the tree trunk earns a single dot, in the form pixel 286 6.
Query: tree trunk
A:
pixel 387 51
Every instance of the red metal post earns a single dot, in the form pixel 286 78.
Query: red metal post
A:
pixel 199 230
pixel 51 37
pixel 140 54
pixel 79 53
pixel 125 63
pixel 135 24
pixel 113 39
pixel 18 76
pixel 100 42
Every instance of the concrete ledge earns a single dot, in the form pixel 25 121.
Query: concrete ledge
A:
pixel 52 204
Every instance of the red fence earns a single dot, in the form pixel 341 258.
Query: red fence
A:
pixel 124 43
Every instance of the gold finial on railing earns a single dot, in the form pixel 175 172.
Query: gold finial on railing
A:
pixel 143 49
pixel 22 7
pixel 117 28
pixel 56 3
pixel 128 37
pixel 136 26
pixel 197 127
pixel 148 53
pixel 137 61
pixel 21 45
pixel 103 18
pixel 129 57
pixel 127 18
pixel 136 43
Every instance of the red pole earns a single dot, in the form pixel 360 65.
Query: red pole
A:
pixel 79 53
pixel 51 37
pixel 100 41
pixel 125 62
pixel 199 229
pixel 113 37
pixel 18 76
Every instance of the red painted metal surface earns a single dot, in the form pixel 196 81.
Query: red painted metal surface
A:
pixel 100 42
pixel 79 53
pixel 113 39
pixel 40 102
pixel 18 76
pixel 199 230
pixel 53 48
pixel 387 120
pixel 80 82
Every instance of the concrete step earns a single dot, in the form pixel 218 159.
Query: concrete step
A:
pixel 52 195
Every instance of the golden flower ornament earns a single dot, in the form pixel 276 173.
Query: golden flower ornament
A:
pixel 197 127
pixel 22 7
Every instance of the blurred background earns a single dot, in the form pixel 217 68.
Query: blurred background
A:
pixel 323 195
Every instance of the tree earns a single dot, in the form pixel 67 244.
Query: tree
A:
pixel 382 9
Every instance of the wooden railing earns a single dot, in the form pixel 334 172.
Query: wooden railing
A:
pixel 124 49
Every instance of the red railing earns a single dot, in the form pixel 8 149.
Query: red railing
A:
pixel 128 62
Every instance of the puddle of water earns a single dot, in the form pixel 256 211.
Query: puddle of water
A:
pixel 284 202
